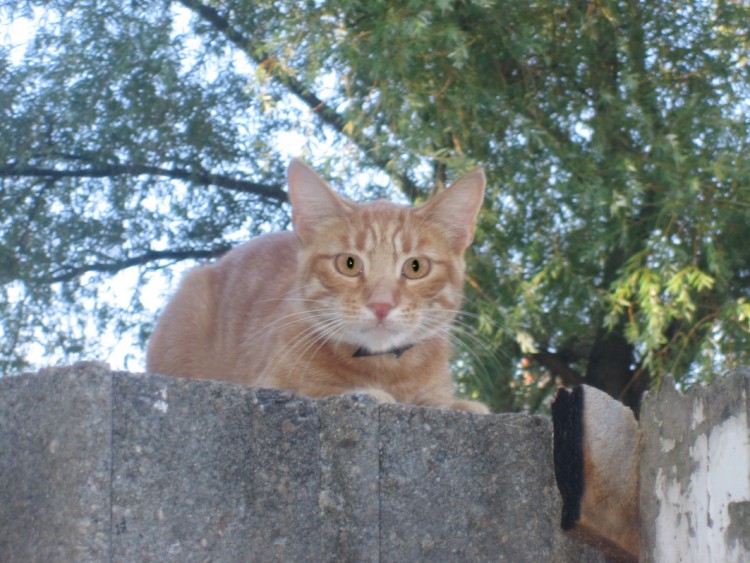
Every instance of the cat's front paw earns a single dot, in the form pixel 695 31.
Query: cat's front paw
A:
pixel 469 406
pixel 371 394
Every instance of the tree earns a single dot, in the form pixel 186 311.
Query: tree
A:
pixel 611 249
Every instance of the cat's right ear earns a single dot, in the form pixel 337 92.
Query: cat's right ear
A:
pixel 313 201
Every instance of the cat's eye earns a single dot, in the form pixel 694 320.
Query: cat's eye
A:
pixel 416 267
pixel 348 264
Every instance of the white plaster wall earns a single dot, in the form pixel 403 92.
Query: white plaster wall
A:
pixel 693 517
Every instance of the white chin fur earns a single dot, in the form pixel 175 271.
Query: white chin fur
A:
pixel 379 339
pixel 376 337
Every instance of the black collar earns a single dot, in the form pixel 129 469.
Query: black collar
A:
pixel 364 352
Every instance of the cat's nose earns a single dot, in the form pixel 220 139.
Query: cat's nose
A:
pixel 381 310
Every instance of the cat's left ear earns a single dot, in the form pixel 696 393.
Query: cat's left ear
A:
pixel 457 207
pixel 313 201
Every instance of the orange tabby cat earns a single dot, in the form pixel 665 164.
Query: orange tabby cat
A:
pixel 358 299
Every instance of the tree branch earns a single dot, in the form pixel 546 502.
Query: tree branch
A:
pixel 263 59
pixel 148 256
pixel 558 367
pixel 273 192
pixel 255 52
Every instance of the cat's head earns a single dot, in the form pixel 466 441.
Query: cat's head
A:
pixel 381 276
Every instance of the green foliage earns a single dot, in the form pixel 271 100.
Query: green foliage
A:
pixel 613 135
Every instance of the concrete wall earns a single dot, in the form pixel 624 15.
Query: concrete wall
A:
pixel 103 466
pixel 695 472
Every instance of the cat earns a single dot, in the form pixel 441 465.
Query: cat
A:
pixel 359 299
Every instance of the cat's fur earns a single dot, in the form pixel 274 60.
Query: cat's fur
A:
pixel 291 310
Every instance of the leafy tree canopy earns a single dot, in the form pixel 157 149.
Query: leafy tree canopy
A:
pixel 141 136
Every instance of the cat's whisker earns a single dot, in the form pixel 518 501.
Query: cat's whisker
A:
pixel 463 313
pixel 464 330
pixel 320 335
pixel 292 295
pixel 302 342
pixel 453 331
pixel 466 342
pixel 278 325
pixel 324 336
pixel 469 330
pixel 468 349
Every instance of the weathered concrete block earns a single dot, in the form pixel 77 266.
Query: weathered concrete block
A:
pixel 695 472
pixel 102 466
pixel 349 497
pixel 434 462
pixel 55 444
pixel 180 483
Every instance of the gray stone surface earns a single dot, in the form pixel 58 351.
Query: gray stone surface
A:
pixel 181 490
pixel 504 492
pixel 101 466
pixel 55 450
pixel 349 497
pixel 695 472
